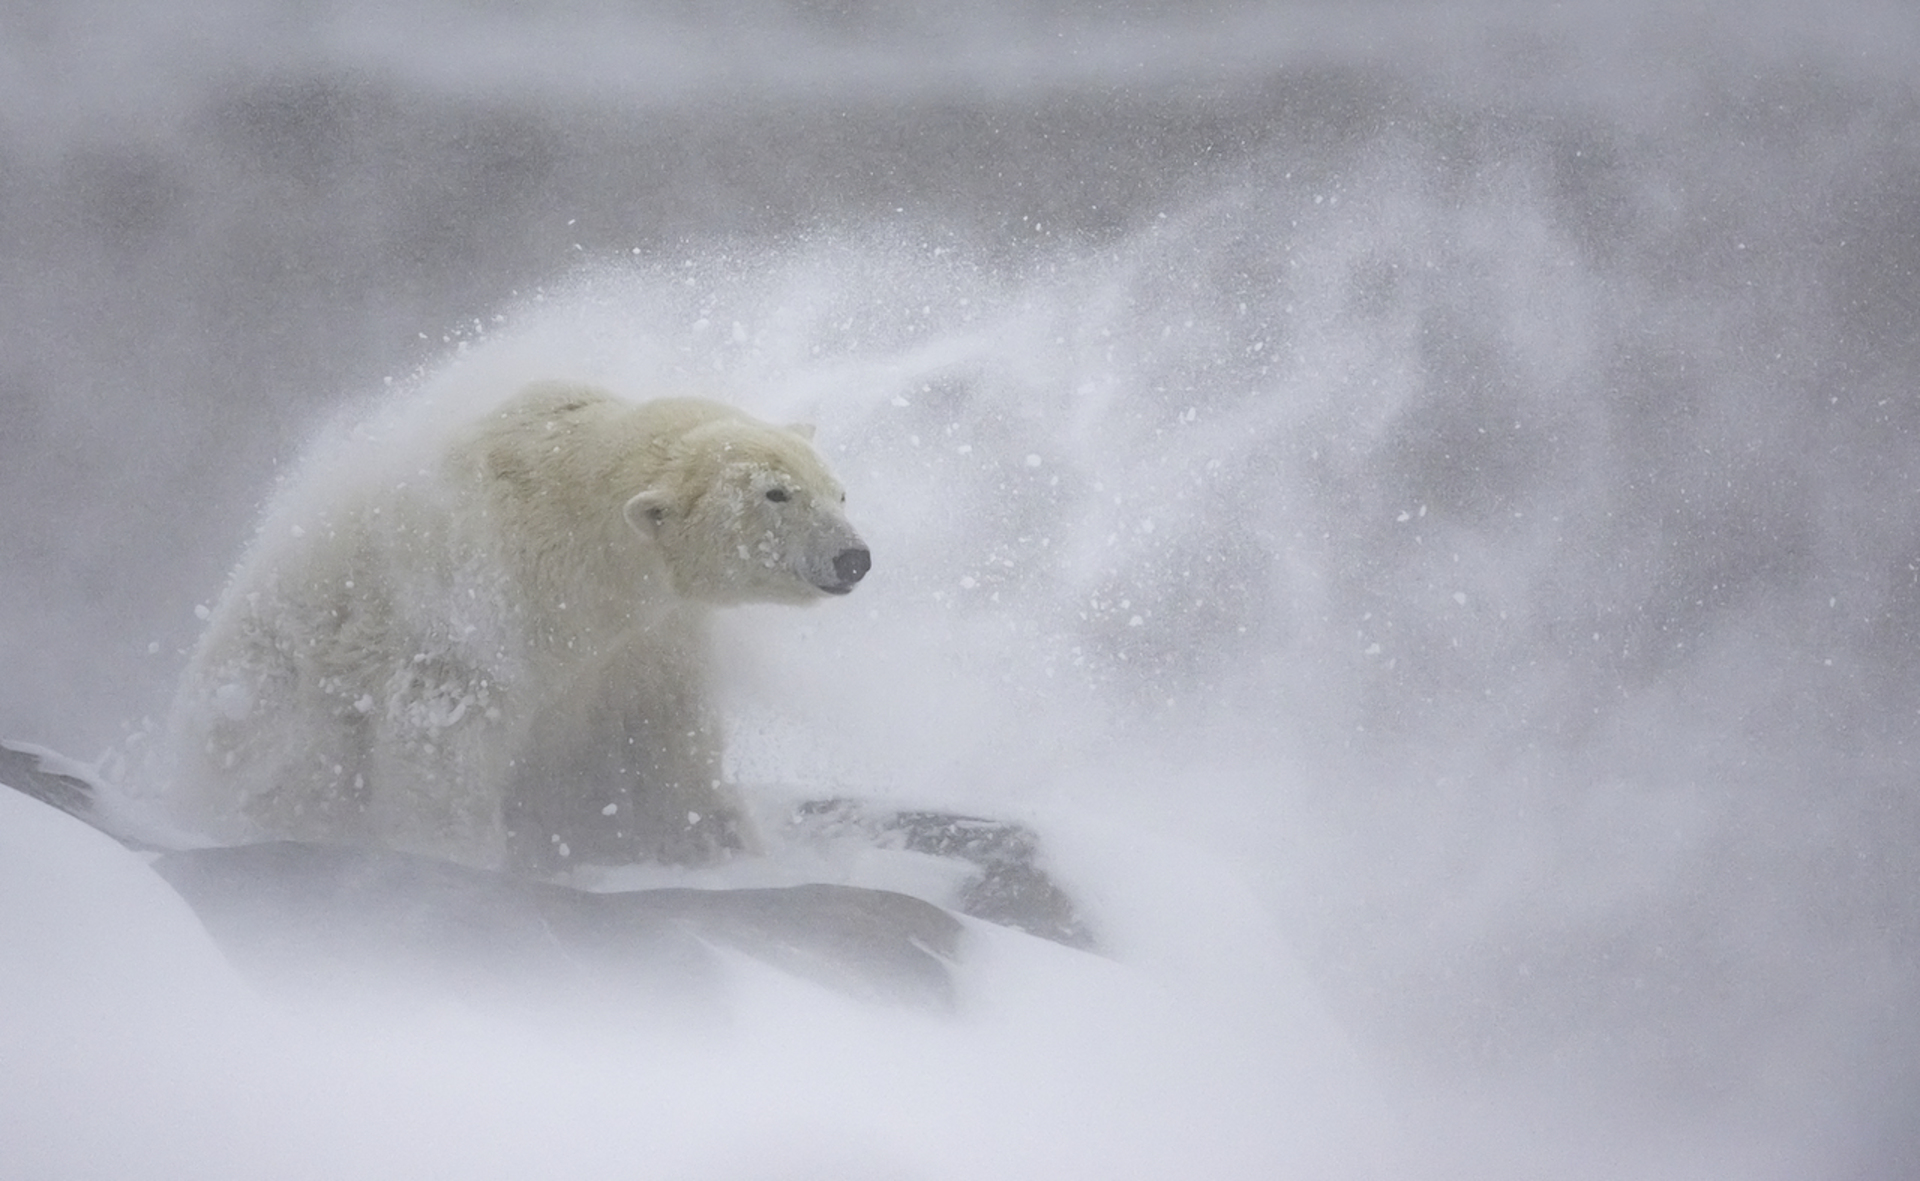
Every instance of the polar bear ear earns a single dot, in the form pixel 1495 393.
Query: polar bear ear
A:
pixel 803 429
pixel 646 512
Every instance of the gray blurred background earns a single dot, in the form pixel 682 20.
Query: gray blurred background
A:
pixel 1551 492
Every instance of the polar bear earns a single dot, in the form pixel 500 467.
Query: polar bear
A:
pixel 496 652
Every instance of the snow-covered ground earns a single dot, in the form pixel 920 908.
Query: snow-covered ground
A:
pixel 1414 504
pixel 135 1050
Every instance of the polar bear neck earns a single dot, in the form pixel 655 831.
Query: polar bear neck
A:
pixel 554 496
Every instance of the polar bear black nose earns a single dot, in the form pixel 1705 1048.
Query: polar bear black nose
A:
pixel 851 565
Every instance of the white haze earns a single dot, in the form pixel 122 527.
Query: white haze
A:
pixel 1415 504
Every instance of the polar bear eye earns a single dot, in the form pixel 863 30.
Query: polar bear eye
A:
pixel 777 495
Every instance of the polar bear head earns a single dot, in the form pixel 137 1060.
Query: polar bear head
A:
pixel 746 511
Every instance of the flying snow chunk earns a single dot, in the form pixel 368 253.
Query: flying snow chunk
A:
pixel 233 700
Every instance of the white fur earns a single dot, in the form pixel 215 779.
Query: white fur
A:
pixel 497 651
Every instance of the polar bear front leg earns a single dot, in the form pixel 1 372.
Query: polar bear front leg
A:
pixel 623 767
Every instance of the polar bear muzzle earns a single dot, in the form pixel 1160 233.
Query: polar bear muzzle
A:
pixel 850 565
